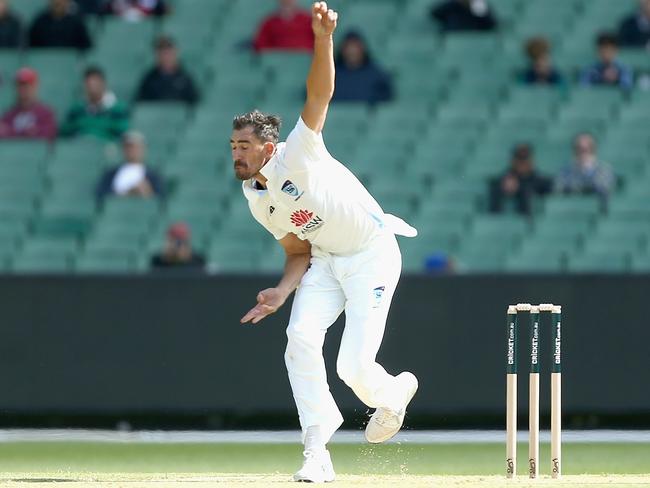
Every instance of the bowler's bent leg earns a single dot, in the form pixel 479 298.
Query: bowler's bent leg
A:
pixel 317 304
pixel 369 285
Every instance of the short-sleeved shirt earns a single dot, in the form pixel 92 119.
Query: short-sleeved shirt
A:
pixel 311 194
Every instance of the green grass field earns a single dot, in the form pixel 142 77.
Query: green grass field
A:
pixel 440 465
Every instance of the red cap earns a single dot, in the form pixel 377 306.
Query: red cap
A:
pixel 179 231
pixel 26 75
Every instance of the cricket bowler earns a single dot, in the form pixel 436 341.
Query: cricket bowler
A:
pixel 341 255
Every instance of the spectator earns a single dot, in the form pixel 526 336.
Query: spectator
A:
pixel 540 70
pixel 585 174
pixel 135 10
pixel 28 118
pixel 358 78
pixel 520 184
pixel 168 80
pixel 289 28
pixel 132 177
pixel 634 30
pixel 608 71
pixel 178 253
pixel 59 26
pixel 100 115
pixel 11 30
pixel 464 15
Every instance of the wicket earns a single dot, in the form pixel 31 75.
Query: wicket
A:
pixel 533 388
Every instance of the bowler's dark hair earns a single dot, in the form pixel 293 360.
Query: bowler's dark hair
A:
pixel 265 126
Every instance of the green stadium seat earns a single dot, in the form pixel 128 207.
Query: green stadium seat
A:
pixel 640 264
pixel 119 231
pixel 131 209
pixel 474 260
pixel 602 244
pixel 16 210
pixel 572 207
pixel 633 209
pixel 441 210
pixel 499 227
pixel 104 264
pixel 38 264
pixel 561 229
pixel 534 263
pixel 160 114
pixel 464 115
pixel 18 155
pixel 609 262
pixel 61 226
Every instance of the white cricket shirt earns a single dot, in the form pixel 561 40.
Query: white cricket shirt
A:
pixel 314 196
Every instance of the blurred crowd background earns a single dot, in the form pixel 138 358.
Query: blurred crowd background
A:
pixel 513 133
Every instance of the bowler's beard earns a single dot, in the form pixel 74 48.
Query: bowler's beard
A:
pixel 242 171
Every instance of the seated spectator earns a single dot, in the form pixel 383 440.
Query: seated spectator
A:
pixel 11 30
pixel 178 254
pixel 634 30
pixel 59 26
pixel 100 114
pixel 586 174
pixel 167 80
pixel 608 71
pixel 135 10
pixel 540 70
pixel 358 78
pixel 28 118
pixel 520 184
pixel 464 15
pixel 132 178
pixel 287 29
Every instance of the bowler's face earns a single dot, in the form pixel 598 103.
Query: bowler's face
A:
pixel 249 153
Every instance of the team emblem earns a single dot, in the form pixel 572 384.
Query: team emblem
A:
pixel 377 295
pixel 271 209
pixel 290 189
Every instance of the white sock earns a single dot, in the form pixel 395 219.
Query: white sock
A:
pixel 314 439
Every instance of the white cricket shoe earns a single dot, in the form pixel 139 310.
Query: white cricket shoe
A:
pixel 386 422
pixel 317 468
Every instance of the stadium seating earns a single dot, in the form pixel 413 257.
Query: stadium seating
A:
pixel 427 156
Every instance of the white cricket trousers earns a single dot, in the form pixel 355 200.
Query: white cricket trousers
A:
pixel 362 284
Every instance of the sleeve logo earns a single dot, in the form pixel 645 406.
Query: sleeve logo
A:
pixel 292 190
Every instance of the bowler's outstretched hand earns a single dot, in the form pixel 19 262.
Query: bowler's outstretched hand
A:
pixel 268 301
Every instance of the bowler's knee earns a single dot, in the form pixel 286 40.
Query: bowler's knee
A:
pixel 300 344
pixel 350 370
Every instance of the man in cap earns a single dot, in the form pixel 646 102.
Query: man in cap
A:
pixel 28 118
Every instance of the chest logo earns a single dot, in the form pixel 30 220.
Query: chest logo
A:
pixel 271 209
pixel 301 217
pixel 291 189
pixel 307 220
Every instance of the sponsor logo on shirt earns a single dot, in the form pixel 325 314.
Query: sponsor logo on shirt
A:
pixel 301 217
pixel 306 220
pixel 377 294
pixel 312 225
pixel 291 189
